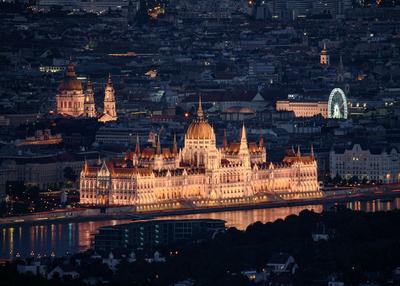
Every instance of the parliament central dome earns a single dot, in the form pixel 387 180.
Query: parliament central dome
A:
pixel 70 82
pixel 200 128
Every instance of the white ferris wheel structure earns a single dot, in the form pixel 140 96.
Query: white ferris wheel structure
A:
pixel 337 104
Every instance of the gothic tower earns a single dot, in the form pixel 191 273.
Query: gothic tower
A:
pixel 90 108
pixel 324 58
pixel 243 149
pixel 109 110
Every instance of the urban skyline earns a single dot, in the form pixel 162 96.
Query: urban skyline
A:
pixel 194 142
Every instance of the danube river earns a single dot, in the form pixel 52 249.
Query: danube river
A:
pixel 69 237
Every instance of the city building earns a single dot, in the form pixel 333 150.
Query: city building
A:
pixel 373 163
pixel 70 98
pixel 304 108
pixel 324 58
pixel 41 170
pixel 73 101
pixel 199 173
pixel 149 234
pixel 109 109
pixel 41 137
pixel 336 107
pixel 90 107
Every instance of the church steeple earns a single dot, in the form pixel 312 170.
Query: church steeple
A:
pixel 90 108
pixel 110 110
pixel 324 58
pixel 298 151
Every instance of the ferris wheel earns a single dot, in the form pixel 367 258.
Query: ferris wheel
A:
pixel 337 104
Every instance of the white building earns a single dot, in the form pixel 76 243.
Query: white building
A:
pixel 372 163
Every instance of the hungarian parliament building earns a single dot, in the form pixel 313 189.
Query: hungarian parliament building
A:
pixel 200 173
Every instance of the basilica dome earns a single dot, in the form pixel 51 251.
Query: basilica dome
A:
pixel 70 82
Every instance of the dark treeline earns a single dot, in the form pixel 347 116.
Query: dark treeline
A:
pixel 362 247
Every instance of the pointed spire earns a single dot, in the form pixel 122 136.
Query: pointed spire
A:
pixel 158 147
pixel 243 136
pixel 293 152
pixel 85 166
pixel 137 147
pixel 298 151
pixel 109 101
pixel 200 112
pixel 243 148
pixel 324 45
pixel 225 140
pixel 261 142
pixel 341 66
pixel 312 150
pixel 175 146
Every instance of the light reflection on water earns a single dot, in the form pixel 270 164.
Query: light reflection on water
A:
pixel 70 237
pixel 241 219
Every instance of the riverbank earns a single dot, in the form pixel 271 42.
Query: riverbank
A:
pixel 118 213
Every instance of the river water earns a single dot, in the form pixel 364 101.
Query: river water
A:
pixel 69 237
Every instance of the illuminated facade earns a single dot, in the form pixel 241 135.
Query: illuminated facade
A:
pixel 372 163
pixel 90 107
pixel 73 101
pixel 304 108
pixel 109 109
pixel 324 58
pixel 70 98
pixel 41 137
pixel 200 173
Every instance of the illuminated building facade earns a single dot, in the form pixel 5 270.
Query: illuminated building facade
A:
pixel 376 163
pixel 110 109
pixel 336 107
pixel 304 108
pixel 73 101
pixel 41 137
pixel 70 98
pixel 199 173
pixel 324 58
pixel 90 107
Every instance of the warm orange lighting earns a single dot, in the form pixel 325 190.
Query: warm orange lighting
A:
pixel 158 177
